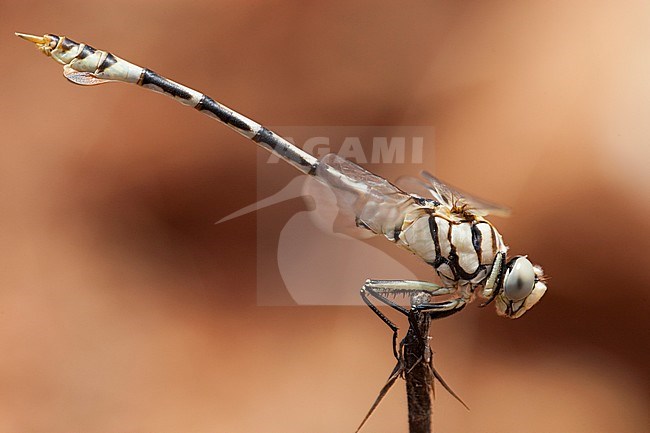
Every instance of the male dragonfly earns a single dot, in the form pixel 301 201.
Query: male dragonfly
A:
pixel 442 226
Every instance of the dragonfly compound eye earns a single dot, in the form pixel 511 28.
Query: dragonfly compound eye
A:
pixel 519 279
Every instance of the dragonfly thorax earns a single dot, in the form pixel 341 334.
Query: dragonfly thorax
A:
pixel 462 250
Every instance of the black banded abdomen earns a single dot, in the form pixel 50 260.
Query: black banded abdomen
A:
pixel 183 94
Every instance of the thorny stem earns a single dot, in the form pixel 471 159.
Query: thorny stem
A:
pixel 414 360
pixel 418 372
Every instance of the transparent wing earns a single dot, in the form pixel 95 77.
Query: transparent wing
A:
pixel 431 186
pixel 416 186
pixel 82 78
pixel 458 197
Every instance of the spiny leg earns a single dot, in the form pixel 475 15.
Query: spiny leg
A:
pixel 438 310
pixel 407 287
pixel 382 316
pixel 419 292
pixel 378 288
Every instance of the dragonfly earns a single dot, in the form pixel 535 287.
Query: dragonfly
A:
pixel 442 226
pixel 439 224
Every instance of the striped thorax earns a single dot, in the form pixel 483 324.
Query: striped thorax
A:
pixel 462 249
pixel 468 252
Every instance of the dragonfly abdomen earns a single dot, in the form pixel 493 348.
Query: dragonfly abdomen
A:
pixel 88 66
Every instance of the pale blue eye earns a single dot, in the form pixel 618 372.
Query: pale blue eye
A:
pixel 519 280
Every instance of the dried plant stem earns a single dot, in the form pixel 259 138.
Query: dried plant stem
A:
pixel 414 357
pixel 418 372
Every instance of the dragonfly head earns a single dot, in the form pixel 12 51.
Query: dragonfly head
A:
pixel 522 287
pixel 46 43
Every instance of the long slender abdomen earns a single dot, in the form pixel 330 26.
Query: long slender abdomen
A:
pixel 101 66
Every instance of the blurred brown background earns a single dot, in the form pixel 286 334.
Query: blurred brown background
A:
pixel 123 308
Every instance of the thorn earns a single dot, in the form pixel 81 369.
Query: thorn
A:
pixel 447 387
pixel 382 393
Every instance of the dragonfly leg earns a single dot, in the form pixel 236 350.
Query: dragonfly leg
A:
pixel 380 289
pixel 438 310
pixel 364 295
pixel 408 287
pixel 418 291
pixel 421 311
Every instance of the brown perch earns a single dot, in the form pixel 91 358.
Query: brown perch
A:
pixel 414 363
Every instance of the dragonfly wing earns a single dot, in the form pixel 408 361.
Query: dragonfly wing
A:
pixel 417 186
pixel 452 196
pixel 431 188
pixel 82 78
pixel 327 215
